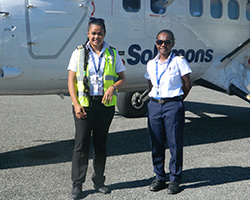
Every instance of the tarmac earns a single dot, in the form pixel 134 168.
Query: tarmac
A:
pixel 37 138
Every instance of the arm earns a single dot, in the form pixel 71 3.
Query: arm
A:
pixel 186 85
pixel 150 84
pixel 79 110
pixel 107 97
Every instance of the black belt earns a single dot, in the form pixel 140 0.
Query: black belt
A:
pixel 98 98
pixel 165 100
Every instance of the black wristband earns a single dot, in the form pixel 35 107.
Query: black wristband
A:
pixel 114 87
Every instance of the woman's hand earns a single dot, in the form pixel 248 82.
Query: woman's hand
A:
pixel 107 97
pixel 80 112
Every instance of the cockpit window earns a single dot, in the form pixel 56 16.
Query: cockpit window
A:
pixel 132 5
pixel 248 11
pixel 233 9
pixel 196 7
pixel 216 8
pixel 157 6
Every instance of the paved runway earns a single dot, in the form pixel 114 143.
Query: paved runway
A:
pixel 37 142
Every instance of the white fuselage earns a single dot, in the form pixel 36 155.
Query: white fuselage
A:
pixel 37 38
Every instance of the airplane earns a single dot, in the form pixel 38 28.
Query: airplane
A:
pixel 37 38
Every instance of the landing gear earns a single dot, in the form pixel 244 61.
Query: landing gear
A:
pixel 132 104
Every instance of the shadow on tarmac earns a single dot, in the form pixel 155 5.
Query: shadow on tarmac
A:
pixel 200 177
pixel 226 123
pixel 192 178
pixel 197 177
pixel 120 186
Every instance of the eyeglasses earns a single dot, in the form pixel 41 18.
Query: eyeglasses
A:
pixel 166 42
pixel 93 20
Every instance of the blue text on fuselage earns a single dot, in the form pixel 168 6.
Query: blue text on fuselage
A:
pixel 190 55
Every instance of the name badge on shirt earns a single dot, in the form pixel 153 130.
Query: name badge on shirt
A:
pixel 157 92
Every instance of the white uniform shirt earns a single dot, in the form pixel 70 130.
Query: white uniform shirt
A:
pixel 170 82
pixel 119 66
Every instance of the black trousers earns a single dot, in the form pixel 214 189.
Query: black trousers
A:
pixel 97 124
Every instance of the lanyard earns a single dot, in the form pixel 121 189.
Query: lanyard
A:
pixel 158 79
pixel 99 64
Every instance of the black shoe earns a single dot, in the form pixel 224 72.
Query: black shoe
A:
pixel 157 185
pixel 76 192
pixel 102 188
pixel 173 187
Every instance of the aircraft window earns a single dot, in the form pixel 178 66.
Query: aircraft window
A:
pixel 196 7
pixel 248 11
pixel 216 8
pixel 132 5
pixel 157 6
pixel 233 9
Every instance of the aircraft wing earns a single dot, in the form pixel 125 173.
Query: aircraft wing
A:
pixel 230 73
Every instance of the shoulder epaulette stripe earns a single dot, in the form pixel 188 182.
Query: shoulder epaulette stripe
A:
pixel 80 47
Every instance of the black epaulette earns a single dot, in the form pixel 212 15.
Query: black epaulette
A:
pixel 112 47
pixel 80 47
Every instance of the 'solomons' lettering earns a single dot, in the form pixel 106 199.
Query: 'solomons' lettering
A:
pixel 190 55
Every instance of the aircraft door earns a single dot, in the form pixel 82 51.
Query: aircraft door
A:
pixel 52 24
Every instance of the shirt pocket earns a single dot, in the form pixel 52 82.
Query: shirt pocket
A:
pixel 172 70
pixel 174 77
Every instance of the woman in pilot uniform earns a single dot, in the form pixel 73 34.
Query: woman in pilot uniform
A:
pixel 95 73
pixel 169 81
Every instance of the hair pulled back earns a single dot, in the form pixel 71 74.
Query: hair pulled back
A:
pixel 167 32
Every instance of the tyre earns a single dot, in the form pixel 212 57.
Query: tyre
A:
pixel 129 105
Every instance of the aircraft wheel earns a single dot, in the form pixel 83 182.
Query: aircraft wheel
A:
pixel 129 105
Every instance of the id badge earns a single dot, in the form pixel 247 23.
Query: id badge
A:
pixel 95 87
pixel 158 92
